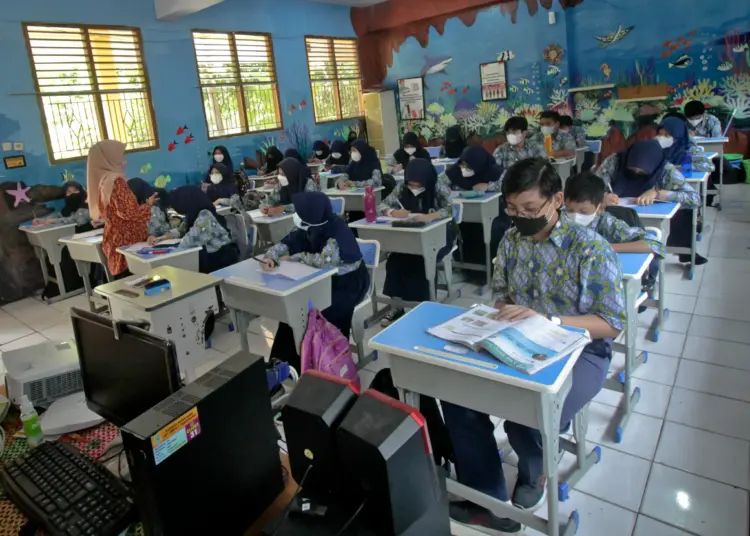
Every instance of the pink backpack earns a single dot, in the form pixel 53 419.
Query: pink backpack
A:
pixel 324 348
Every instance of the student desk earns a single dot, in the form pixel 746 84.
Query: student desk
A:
pixel 142 263
pixel 45 239
pixel 444 161
pixel 699 181
pixel 223 210
pixel 421 363
pixel 633 266
pixel 564 166
pixel 249 293
pixel 326 177
pixel 271 229
pixel 86 249
pixel 659 215
pixel 180 314
pixel 425 241
pixel 480 210
pixel 580 157
pixel 354 198
pixel 715 145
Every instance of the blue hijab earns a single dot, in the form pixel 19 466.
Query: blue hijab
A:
pixel 190 201
pixel 362 170
pixel 339 146
pixel 226 188
pixel 421 171
pixel 646 155
pixel 678 129
pixel 320 145
pixel 226 162
pixel 314 209
pixel 483 164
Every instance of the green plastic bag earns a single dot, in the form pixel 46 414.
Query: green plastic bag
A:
pixel 746 165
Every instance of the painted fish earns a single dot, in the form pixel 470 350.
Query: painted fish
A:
pixel 614 37
pixel 513 89
pixel 739 49
pixel 688 48
pixel 666 43
pixel 693 32
pixel 506 55
pixel 145 169
pixel 524 81
pixel 292 108
pixel 434 65
pixel 452 91
pixel 443 89
pixel 172 146
pixel 189 139
pixel 683 62
pixel 564 81
pixel 181 130
pixel 302 104
pixel 553 70
pixel 447 84
pixel 465 90
pixel 665 54
pixel 528 91
pixel 606 70
pixel 726 66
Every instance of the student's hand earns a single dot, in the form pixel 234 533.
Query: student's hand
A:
pixel 152 240
pixel 218 202
pixel 204 186
pixel 663 195
pixel 97 223
pixel 481 187
pixel 268 265
pixel 40 221
pixel 271 184
pixel 647 198
pixel 344 185
pixel 611 200
pixel 397 213
pixel 397 168
pixel 423 217
pixel 513 313
pixel 286 258
pixel 151 201
pixel 275 211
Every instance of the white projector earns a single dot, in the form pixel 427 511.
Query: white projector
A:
pixel 44 373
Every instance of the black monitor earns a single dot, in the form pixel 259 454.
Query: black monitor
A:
pixel 126 375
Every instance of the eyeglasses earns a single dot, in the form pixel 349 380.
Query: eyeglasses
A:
pixel 524 214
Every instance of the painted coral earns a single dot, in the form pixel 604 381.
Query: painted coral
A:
pixel 554 54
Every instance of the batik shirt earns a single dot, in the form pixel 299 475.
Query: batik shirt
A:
pixel 158 225
pixel 579 134
pixel 206 231
pixel 572 272
pixel 79 217
pixel 329 256
pixel 674 181
pixel 616 231
pixel 709 127
pixel 506 155
pixel 273 198
pixel 442 200
pixel 375 181
pixel 561 141
pixel 445 182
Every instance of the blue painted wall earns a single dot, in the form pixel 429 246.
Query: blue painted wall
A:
pixel 172 71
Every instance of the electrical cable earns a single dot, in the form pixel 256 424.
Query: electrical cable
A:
pixel 351 519
pixel 291 502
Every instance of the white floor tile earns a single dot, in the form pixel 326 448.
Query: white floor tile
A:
pixel 720 328
pixel 223 340
pixel 640 437
pixel 80 301
pixel 645 526
pixel 23 342
pixel 259 345
pixel 708 412
pixel 680 303
pixel 618 478
pixel 35 314
pixel 670 343
pixel 731 285
pixel 659 368
pixel 716 352
pixel 677 322
pixel 60 332
pixel 707 454
pixel 654 398
pixel 12 328
pixel 713 379
pixel 733 309
pixel 695 504
pixel 597 517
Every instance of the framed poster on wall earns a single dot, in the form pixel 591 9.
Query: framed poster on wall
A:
pixel 411 98
pixel 493 80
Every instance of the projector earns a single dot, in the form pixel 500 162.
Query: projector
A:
pixel 44 373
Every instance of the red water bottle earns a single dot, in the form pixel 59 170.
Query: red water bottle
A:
pixel 371 213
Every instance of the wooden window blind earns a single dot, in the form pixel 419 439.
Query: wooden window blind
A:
pixel 335 78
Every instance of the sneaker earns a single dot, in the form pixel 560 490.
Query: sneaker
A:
pixel 699 259
pixel 390 317
pixel 479 518
pixel 530 497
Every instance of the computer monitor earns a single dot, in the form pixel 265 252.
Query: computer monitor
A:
pixel 123 376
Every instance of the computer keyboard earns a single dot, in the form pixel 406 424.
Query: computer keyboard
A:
pixel 59 487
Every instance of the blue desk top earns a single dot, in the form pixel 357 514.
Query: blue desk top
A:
pixel 411 330
pixel 386 224
pixel 28 226
pixel 248 271
pixel 696 175
pixel 633 263
pixel 711 140
pixel 657 209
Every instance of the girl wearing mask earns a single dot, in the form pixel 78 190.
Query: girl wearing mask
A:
pixel 220 156
pixel 125 221
pixel 339 158
pixel 643 172
pixel 158 225
pixel 454 142
pixel 203 227
pixel 321 240
pixel 321 151
pixel 75 210
pixel 364 168
pixel 410 149
pixel 292 179
pixel 674 137
pixel 223 186
pixel 273 159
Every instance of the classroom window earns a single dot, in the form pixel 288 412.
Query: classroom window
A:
pixel 335 79
pixel 92 85
pixel 237 77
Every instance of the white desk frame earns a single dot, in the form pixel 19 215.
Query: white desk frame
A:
pixel 355 197
pixel 45 240
pixel 701 185
pixel 85 251
pixel 715 145
pixel 271 229
pixel 187 259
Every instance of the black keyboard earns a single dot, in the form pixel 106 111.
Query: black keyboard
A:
pixel 59 487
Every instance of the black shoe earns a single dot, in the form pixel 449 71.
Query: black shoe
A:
pixel 390 317
pixel 529 497
pixel 699 259
pixel 471 515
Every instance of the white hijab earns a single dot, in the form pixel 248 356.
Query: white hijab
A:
pixel 106 162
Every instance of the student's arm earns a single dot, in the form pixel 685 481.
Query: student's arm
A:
pixel 206 231
pixel 626 239
pixel 310 186
pixel 443 202
pixel 700 162
pixel 607 170
pixel 500 296
pixel 277 251
pixel 567 146
pixel 540 152
pixel 125 205
pixel 79 217
pixel 714 127
pixel 375 181
pixel 329 256
pixel 676 189
pixel 391 202
pixel 272 199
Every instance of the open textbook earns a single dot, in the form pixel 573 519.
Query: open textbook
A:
pixel 528 345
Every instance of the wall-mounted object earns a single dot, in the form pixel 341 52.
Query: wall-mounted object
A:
pixel 591 88
pixel 7 146
pixel 494 81
pixel 18 146
pixel 13 162
pixel 411 98
pixel 654 92
pixel 552 17
pixel 382 121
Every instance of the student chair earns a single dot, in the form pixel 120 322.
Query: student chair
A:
pixel 446 264
pixel 371 257
pixel 338 204
pixel 595 148
pixel 245 236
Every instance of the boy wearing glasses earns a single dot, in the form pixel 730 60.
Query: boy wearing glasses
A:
pixel 551 266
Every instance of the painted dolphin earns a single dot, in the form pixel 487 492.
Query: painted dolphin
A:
pixel 436 64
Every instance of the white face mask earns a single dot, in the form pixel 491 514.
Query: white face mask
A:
pixel 410 150
pixel 356 156
pixel 514 139
pixel 665 142
pixel 336 155
pixel 416 191
pixel 318 153
pixel 216 178
pixel 695 121
pixel 584 219
pixel 302 225
pixel 219 158
pixel 283 180
pixel 467 172
pixel 548 130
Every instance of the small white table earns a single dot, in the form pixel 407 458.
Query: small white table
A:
pixel 699 181
pixel 250 293
pixel 141 262
pixel 86 249
pixel 326 177
pixel 223 210
pixel 563 166
pixel 354 198
pixel 715 145
pixel 45 240
pixel 271 229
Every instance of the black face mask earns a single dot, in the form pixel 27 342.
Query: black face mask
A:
pixel 530 226
pixel 635 176
pixel 73 202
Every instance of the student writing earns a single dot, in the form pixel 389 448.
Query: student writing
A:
pixel 364 167
pixel 558 144
pixel 159 224
pixel 292 179
pixel 672 134
pixel 273 159
pixel 454 142
pixel 566 125
pixel 339 158
pixel 410 149
pixel 518 144
pixel 702 124
pixel 321 151
pixel 75 210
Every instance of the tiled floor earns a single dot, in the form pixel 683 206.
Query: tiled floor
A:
pixel 683 467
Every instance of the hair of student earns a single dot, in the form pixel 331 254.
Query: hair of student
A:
pixel 566 121
pixel 674 113
pixel 532 173
pixel 517 122
pixel 550 114
pixel 585 186
pixel 694 108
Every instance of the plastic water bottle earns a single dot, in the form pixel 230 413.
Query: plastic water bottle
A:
pixel 30 419
pixel 371 213
pixel 687 164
